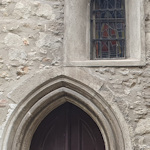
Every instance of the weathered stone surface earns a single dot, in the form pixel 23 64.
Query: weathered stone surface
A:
pixel 45 10
pixel 143 127
pixel 17 57
pixel 3 103
pixel 22 70
pixel 13 40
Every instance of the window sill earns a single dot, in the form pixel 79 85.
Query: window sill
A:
pixel 94 63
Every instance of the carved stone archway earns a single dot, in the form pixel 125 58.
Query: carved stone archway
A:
pixel 33 108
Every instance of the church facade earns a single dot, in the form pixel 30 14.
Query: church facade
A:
pixel 56 55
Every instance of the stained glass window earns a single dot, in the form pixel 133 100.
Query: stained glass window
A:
pixel 108 29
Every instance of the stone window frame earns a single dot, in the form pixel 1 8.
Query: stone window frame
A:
pixel 77 35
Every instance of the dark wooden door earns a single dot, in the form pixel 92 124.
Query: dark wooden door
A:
pixel 67 128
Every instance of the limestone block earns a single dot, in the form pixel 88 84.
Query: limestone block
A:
pixel 143 126
pixel 46 40
pixel 45 10
pixel 124 72
pixel 136 72
pixel 22 9
pixel 130 83
pixel 12 39
pixel 17 55
pixel 140 112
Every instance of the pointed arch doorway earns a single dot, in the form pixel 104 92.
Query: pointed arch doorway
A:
pixel 67 128
pixel 46 97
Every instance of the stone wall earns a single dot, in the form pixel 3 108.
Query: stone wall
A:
pixel 32 41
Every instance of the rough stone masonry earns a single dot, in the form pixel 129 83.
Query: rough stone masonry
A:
pixel 32 41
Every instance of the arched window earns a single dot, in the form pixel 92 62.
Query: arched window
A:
pixel 117 40
pixel 107 29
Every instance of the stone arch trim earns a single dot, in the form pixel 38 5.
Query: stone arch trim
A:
pixel 49 95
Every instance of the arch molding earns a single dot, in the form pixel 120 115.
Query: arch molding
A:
pixel 43 99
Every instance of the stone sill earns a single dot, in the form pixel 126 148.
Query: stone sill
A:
pixel 109 63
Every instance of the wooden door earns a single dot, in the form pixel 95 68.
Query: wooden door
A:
pixel 67 128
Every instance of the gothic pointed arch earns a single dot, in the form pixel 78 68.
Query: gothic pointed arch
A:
pixel 47 96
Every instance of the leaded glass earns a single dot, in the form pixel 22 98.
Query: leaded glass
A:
pixel 111 4
pixel 108 25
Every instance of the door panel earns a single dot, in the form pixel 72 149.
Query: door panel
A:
pixel 86 137
pixel 67 128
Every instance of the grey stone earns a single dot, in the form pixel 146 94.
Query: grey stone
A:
pixel 143 127
pixel 12 39
pixel 17 54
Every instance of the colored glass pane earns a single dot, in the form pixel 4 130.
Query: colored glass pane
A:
pixel 112 49
pixel 120 49
pixel 97 48
pixel 109 18
pixel 101 14
pixel 98 30
pixel 120 30
pixel 112 30
pixel 104 30
pixel 111 4
pixel 120 4
pixel 120 14
pixel 111 14
pixel 97 4
pixel 104 14
pixel 104 49
pixel 103 4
